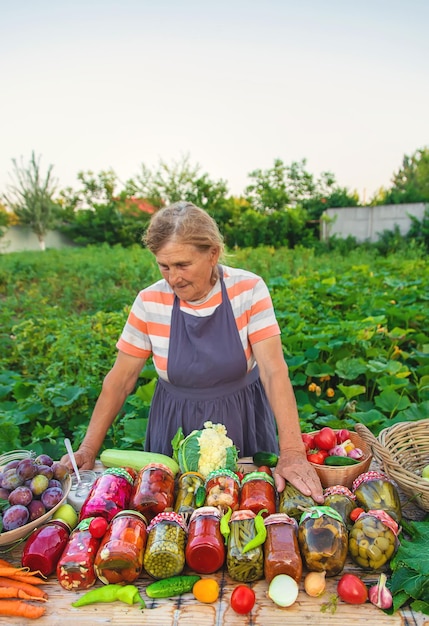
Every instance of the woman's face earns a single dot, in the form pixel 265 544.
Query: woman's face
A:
pixel 187 270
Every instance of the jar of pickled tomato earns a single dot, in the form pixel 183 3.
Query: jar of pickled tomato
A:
pixel 323 540
pixel 153 490
pixel 190 493
pixel 109 494
pixel 44 547
pixel 223 489
pixel 258 492
pixel 281 549
pixel 164 555
pixel 373 539
pixel 205 548
pixel 75 569
pixel 373 490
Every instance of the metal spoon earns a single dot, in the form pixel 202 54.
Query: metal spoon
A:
pixel 72 459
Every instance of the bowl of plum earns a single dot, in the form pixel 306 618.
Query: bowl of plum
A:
pixel 32 488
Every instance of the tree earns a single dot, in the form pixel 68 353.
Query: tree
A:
pixel 30 197
pixel 410 183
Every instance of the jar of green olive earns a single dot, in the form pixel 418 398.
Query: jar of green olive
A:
pixel 165 548
pixel 373 539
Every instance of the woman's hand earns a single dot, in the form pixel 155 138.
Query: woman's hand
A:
pixel 294 467
pixel 85 458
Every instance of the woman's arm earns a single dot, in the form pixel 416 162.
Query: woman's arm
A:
pixel 292 465
pixel 117 386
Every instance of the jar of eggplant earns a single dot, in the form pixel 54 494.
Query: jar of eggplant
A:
pixel 374 490
pixel 165 548
pixel 323 540
pixel 293 502
pixel 373 539
pixel 244 556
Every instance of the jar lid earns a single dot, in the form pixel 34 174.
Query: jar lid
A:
pixel 160 466
pixel 339 490
pixel 368 476
pixel 131 512
pixel 317 511
pixel 168 516
pixel 206 510
pixel 119 471
pixel 384 518
pixel 223 472
pixel 197 474
pixel 242 514
pixel 257 476
pixel 280 518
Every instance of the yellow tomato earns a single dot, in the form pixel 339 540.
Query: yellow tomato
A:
pixel 206 590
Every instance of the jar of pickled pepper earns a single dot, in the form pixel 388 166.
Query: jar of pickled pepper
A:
pixel 120 555
pixel 323 540
pixel 373 539
pixel 244 556
pixel 374 490
pixel 190 493
pixel 258 492
pixel 281 549
pixel 222 489
pixel 205 547
pixel 164 555
pixel 75 569
pixel 153 490
pixel 109 494
pixel 342 500
pixel 44 546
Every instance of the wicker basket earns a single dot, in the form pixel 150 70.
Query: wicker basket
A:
pixel 345 475
pixel 403 451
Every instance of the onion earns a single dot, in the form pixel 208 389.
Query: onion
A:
pixel 315 583
pixel 283 590
pixel 356 453
pixel 337 451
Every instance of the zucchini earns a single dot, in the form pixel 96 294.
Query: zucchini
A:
pixel 172 586
pixel 265 458
pixel 136 459
pixel 337 461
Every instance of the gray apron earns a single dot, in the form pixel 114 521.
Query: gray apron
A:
pixel 208 380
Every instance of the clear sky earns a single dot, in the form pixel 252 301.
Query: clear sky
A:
pixel 234 84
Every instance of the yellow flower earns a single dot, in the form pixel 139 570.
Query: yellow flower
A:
pixel 318 390
pixel 330 392
pixel 312 387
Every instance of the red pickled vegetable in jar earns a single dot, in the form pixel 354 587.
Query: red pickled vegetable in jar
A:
pixel 258 492
pixel 153 490
pixel 44 547
pixel 281 549
pixel 109 494
pixel 205 548
pixel 75 569
pixel 223 489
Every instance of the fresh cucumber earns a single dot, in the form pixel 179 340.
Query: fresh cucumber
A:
pixel 337 461
pixel 172 586
pixel 136 459
pixel 265 458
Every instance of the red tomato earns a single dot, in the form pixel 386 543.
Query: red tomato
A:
pixel 317 456
pixel 352 589
pixel 98 527
pixel 308 441
pixel 325 439
pixel 266 469
pixel 240 475
pixel 243 599
pixel 355 513
pixel 342 435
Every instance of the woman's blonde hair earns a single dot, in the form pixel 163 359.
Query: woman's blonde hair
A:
pixel 185 222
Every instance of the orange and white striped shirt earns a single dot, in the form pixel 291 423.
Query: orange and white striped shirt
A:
pixel 147 330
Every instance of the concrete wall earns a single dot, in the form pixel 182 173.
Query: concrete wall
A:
pixel 367 223
pixel 18 238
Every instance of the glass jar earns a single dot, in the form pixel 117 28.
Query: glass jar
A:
pixel 323 540
pixel 109 494
pixel 373 490
pixel 205 548
pixel 75 569
pixel 190 493
pixel 244 566
pixel 153 490
pixel 258 492
pixel 120 555
pixel 44 547
pixel 223 490
pixel 79 491
pixel 373 539
pixel 293 502
pixel 165 548
pixel 342 500
pixel 281 549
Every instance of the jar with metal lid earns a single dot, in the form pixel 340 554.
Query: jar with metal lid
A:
pixel 109 494
pixel 373 539
pixel 374 490
pixel 79 490
pixel 75 569
pixel 342 500
pixel 323 540
pixel 281 549
pixel 164 555
pixel 205 548
pixel 223 489
pixel 153 490
pixel 244 556
pixel 44 547
pixel 190 493
pixel 293 502
pixel 120 555
pixel 258 492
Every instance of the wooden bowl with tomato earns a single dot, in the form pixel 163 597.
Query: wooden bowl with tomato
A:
pixel 321 443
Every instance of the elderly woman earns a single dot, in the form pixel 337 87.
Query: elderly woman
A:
pixel 215 343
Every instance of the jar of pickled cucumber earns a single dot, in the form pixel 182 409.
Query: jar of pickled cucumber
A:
pixel 374 490
pixel 373 539
pixel 153 490
pixel 222 489
pixel 342 500
pixel 323 540
pixel 165 548
pixel 258 492
pixel 281 549
pixel 244 562
pixel 293 502
pixel 190 493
